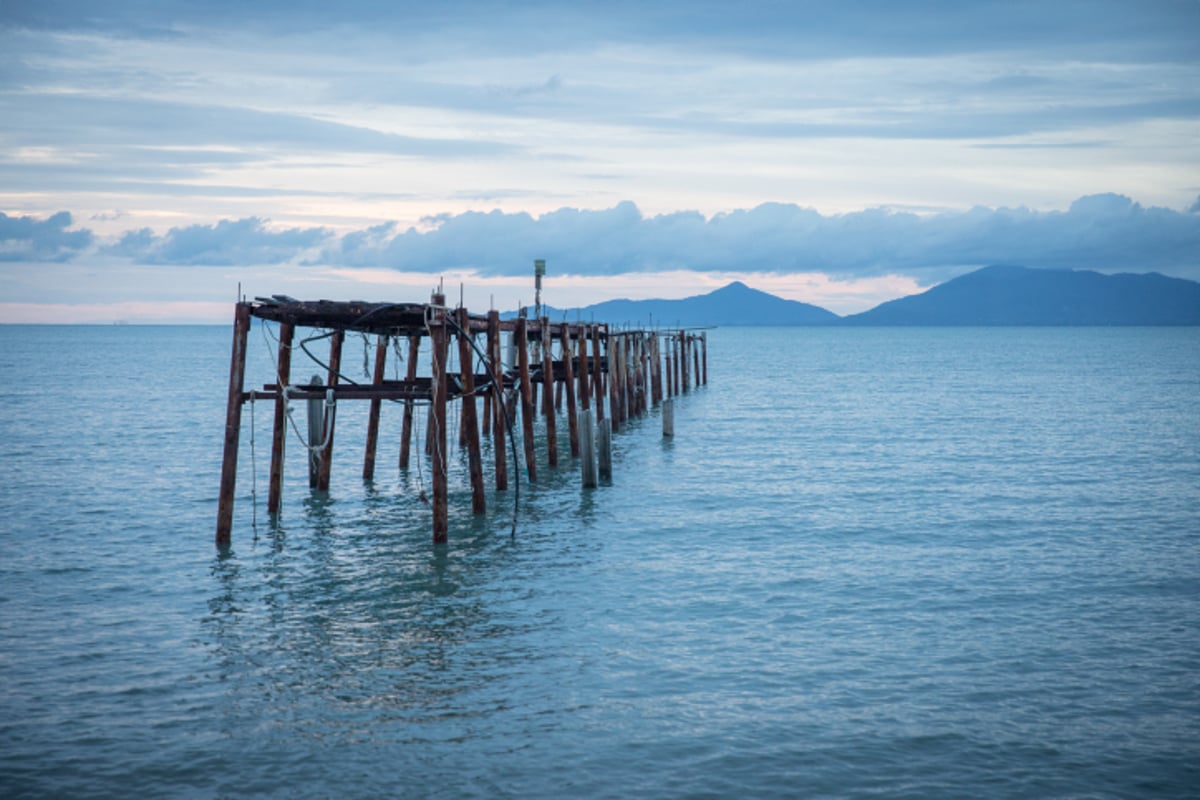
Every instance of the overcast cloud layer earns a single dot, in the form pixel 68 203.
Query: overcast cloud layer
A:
pixel 848 138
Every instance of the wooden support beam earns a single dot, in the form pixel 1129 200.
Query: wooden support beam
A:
pixel 410 374
pixel 581 348
pixel 439 473
pixel 695 339
pixel 683 360
pixel 381 345
pixel 614 382
pixel 587 451
pixel 527 411
pixel 597 373
pixel 233 424
pixel 283 370
pixel 316 428
pixel 548 395
pixel 335 366
pixel 500 422
pixel 704 355
pixel 470 425
pixel 568 386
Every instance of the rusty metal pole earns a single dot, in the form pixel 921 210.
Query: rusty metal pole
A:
pixel 233 424
pixel 279 433
pixel 376 403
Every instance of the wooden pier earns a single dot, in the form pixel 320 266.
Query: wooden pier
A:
pixel 595 366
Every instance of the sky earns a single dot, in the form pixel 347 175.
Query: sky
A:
pixel 158 156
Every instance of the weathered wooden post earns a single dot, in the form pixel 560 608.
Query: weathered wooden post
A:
pixel 683 360
pixel 614 380
pixel 548 394
pixel 283 375
pixel 668 417
pixel 233 424
pixel 500 423
pixel 410 375
pixel 587 451
pixel 316 433
pixel 604 449
pixel 696 357
pixel 381 345
pixel 597 373
pixel 470 424
pixel 568 386
pixel 335 366
pixel 527 412
pixel 581 333
pixel 670 365
pixel 437 413
pixel 704 355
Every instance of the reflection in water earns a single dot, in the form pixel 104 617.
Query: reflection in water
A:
pixel 359 612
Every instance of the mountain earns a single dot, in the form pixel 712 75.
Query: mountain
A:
pixel 733 304
pixel 996 295
pixel 1011 295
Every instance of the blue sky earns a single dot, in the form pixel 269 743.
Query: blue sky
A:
pixel 155 154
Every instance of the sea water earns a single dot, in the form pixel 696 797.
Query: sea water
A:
pixel 871 562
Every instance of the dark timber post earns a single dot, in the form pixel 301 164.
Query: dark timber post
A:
pixel 597 373
pixel 233 424
pixel 469 422
pixel 704 355
pixel 582 347
pixel 548 394
pixel 410 375
pixel 441 516
pixel 526 398
pixel 569 387
pixel 614 381
pixel 373 416
pixel 335 365
pixel 279 434
pixel 500 423
pixel 683 360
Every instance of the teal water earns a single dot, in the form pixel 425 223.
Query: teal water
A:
pixel 899 562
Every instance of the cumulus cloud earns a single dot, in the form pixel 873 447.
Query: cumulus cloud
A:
pixel 227 243
pixel 1106 231
pixel 31 239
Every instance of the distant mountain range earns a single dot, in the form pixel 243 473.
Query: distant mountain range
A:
pixel 996 295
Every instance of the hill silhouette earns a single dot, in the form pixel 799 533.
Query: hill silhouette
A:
pixel 1012 295
pixel 995 295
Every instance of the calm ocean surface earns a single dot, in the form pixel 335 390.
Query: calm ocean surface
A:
pixel 873 562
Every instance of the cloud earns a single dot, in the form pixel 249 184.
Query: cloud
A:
pixel 227 243
pixel 30 239
pixel 1106 231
